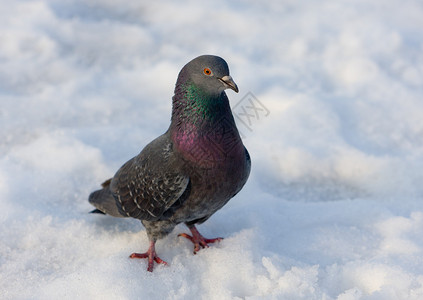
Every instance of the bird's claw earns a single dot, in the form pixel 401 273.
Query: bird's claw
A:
pixel 151 256
pixel 198 240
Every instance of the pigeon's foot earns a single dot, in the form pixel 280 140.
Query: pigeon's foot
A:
pixel 151 255
pixel 198 240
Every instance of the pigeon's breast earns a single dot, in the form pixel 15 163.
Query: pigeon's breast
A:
pixel 210 148
pixel 217 166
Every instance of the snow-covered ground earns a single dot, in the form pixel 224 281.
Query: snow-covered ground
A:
pixel 333 208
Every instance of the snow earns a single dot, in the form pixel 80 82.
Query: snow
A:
pixel 332 209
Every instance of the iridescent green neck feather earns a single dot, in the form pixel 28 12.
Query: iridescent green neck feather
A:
pixel 193 106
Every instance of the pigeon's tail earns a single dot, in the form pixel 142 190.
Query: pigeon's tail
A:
pixel 104 201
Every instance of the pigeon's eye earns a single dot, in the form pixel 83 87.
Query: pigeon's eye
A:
pixel 207 71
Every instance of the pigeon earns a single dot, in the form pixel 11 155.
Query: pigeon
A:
pixel 189 172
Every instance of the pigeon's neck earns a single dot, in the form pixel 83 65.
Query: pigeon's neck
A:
pixel 195 108
pixel 203 129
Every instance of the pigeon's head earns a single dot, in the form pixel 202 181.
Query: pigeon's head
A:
pixel 208 72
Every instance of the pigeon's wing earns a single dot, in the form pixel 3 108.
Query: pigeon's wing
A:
pixel 148 187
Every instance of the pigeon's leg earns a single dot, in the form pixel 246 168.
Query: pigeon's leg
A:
pixel 198 240
pixel 151 255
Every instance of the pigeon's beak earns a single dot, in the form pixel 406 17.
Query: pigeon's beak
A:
pixel 229 83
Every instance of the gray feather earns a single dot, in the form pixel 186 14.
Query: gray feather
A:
pixel 104 201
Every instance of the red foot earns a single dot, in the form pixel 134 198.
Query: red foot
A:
pixel 198 240
pixel 151 255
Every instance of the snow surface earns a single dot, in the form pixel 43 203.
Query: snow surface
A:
pixel 333 207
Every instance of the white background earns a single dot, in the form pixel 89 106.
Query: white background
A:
pixel 333 207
